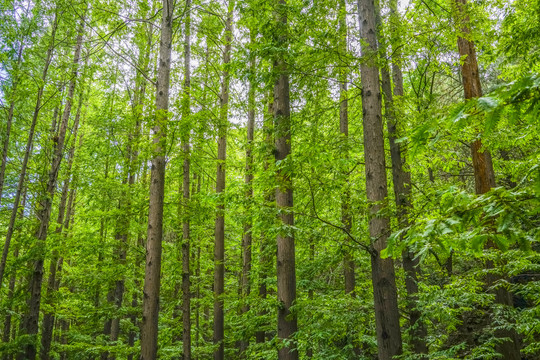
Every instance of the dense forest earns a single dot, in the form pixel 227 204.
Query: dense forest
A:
pixel 270 179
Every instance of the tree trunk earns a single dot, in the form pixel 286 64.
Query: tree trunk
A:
pixel 6 336
pixel 138 106
pixel 382 270
pixel 219 247
pixel 186 112
pixel 286 273
pixel 402 187
pixel 247 237
pixel 9 121
pixel 149 326
pixel 346 217
pixel 30 321
pixel 269 198
pixel 29 144
pixel 484 175
pixel 52 283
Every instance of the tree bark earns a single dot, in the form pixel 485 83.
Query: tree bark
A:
pixel 382 270
pixel 346 217
pixel 402 184
pixel 484 175
pixel 138 106
pixel 269 198
pixel 29 144
pixel 219 246
pixel 29 325
pixel 186 112
pixel 149 326
pixel 247 237
pixel 11 288
pixel 55 262
pixel 9 121
pixel 285 265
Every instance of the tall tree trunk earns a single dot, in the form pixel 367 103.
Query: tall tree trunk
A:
pixel 52 283
pixel 219 246
pixel 29 143
pixel 138 106
pixel 346 218
pixel 346 215
pixel 186 112
pixel 30 321
pixel 286 273
pixel 115 295
pixel 149 326
pixel 6 336
pixel 402 184
pixel 9 121
pixel 382 270
pixel 269 198
pixel 484 175
pixel 248 179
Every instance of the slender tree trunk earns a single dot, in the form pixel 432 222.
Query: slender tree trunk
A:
pixel 30 321
pixel 186 111
pixel 309 350
pixel 9 121
pixel 143 63
pixel 484 175
pixel 248 179
pixel 219 246
pixel 269 198
pixel 382 270
pixel 52 283
pixel 115 296
pixel 402 186
pixel 149 326
pixel 346 217
pixel 29 143
pixel 286 273
pixel 11 288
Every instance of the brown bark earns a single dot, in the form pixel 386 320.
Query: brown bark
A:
pixel 484 175
pixel 138 104
pixel 9 121
pixel 346 217
pixel 186 111
pixel 55 262
pixel 29 325
pixel 219 246
pixel 149 326
pixel 269 198
pixel 20 184
pixel 247 237
pixel 11 288
pixel 382 270
pixel 285 265
pixel 402 187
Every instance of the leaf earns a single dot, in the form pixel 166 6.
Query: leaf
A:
pixel 488 103
pixel 492 118
pixel 477 242
pixel 501 241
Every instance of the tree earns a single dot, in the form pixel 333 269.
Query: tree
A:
pixel 382 270
pixel 29 325
pixel 484 175
pixel 401 176
pixel 186 294
pixel 286 273
pixel 149 326
pixel 219 245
